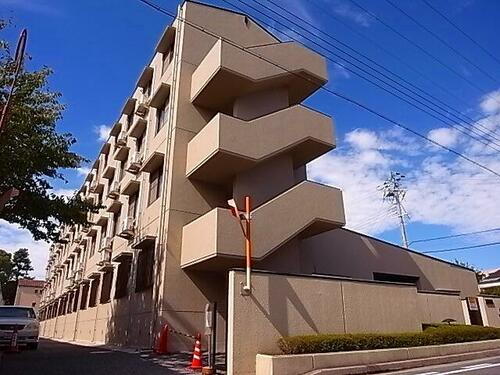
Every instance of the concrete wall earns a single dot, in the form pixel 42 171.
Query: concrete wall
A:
pixel 26 296
pixel 435 307
pixel 341 252
pixel 282 305
pixel 490 313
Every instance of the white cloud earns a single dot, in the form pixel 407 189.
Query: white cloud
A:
pixel 490 103
pixel 83 171
pixel 347 11
pixel 444 136
pixel 442 188
pixel 103 132
pixel 12 238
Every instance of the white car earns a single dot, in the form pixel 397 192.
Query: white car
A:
pixel 25 319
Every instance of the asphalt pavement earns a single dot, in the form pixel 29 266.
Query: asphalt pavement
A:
pixel 485 366
pixel 56 358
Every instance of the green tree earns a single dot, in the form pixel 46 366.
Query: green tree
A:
pixel 21 264
pixel 12 268
pixel 34 154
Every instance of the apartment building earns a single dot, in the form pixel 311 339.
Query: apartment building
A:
pixel 29 292
pixel 215 115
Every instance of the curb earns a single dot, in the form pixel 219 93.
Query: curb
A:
pixel 405 365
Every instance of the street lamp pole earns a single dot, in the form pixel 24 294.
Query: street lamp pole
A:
pixel 246 229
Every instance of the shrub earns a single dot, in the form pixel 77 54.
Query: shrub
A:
pixel 432 335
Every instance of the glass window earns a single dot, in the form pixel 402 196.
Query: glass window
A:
pixel 155 182
pixel 17 312
pixel 144 276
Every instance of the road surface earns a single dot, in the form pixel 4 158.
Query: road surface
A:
pixel 486 366
pixel 55 358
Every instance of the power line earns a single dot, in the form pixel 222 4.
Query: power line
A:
pixel 482 139
pixel 423 50
pixel 334 93
pixel 461 248
pixel 455 235
pixel 387 51
pixel 486 132
pixel 447 19
pixel 443 41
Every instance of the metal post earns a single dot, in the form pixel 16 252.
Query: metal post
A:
pixel 404 236
pixel 247 288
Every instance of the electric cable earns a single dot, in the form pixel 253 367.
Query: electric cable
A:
pixel 332 92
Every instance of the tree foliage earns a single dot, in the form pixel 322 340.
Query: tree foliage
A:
pixel 12 268
pixel 33 154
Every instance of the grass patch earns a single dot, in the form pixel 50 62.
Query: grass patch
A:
pixel 432 335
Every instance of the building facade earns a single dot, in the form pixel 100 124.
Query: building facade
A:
pixel 29 292
pixel 215 115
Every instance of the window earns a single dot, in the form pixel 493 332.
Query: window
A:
pixel 132 204
pixel 75 304
pixel 85 294
pixel 139 143
pixel 155 183
pixel 167 58
pixel 162 115
pixel 107 281
pixel 147 90
pixel 130 119
pixel 93 292
pixel 122 169
pixel 122 277
pixel 144 276
pixel 116 223
pixel 490 303
pixel 395 278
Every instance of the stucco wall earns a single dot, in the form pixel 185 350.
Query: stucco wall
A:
pixel 283 305
pixel 341 252
pixel 435 307
pixel 490 314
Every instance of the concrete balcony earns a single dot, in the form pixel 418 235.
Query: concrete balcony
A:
pixel 227 145
pixel 227 72
pixel 215 241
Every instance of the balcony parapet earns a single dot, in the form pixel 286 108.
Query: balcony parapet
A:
pixel 214 240
pixel 227 145
pixel 227 72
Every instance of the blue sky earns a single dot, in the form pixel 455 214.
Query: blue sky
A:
pixel 97 49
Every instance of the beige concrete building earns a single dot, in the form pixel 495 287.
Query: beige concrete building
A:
pixel 29 292
pixel 217 114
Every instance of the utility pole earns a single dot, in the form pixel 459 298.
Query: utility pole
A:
pixel 18 63
pixel 394 192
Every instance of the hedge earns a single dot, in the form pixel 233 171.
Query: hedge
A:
pixel 434 335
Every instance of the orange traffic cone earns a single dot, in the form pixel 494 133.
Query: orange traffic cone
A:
pixel 161 341
pixel 196 363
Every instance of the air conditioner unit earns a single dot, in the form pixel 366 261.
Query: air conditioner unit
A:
pixel 121 140
pixel 105 258
pixel 134 162
pixel 114 190
pixel 105 244
pixel 93 186
pixel 142 108
pixel 128 228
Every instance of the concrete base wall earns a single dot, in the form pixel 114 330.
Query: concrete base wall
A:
pixel 286 305
pixel 305 363
pixel 490 311
pixel 434 308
